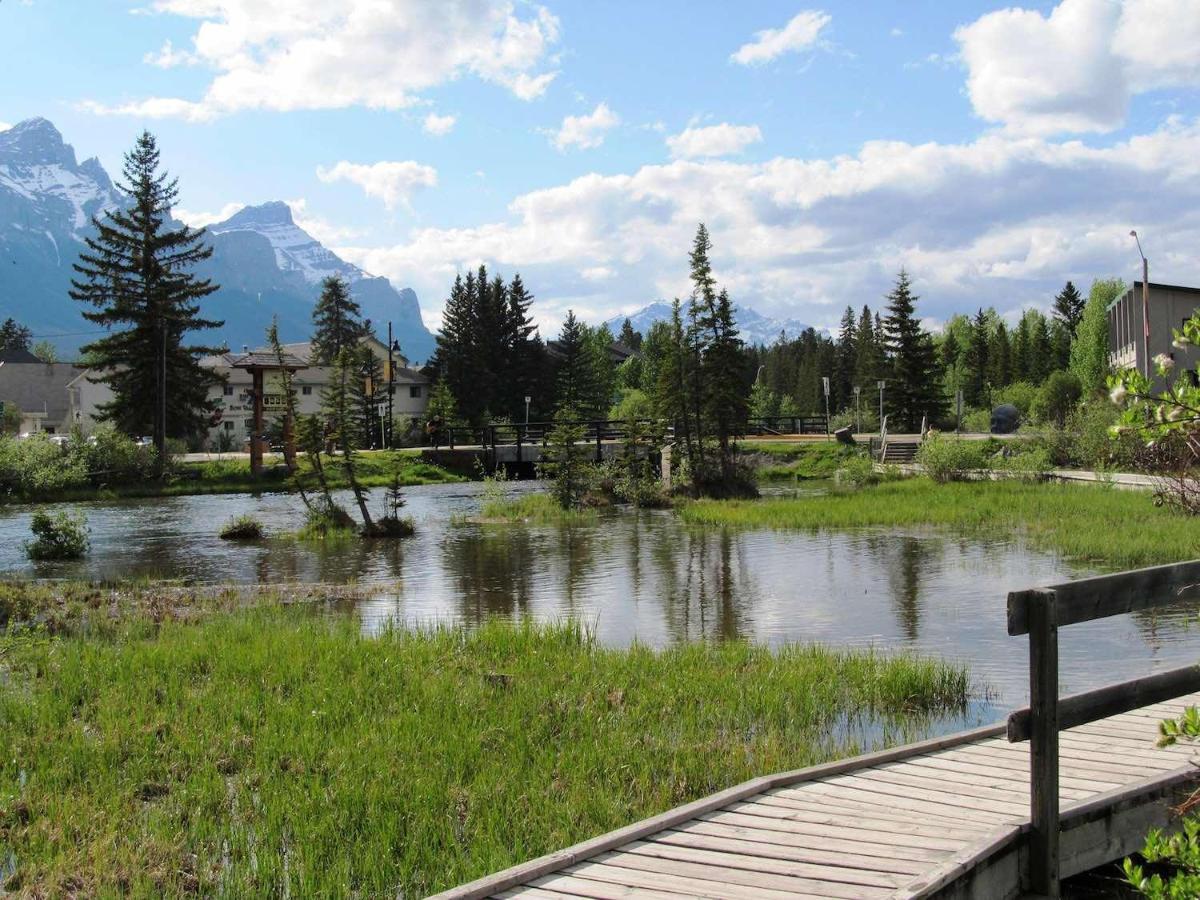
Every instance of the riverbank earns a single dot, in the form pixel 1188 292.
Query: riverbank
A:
pixel 1087 523
pixel 187 746
pixel 375 468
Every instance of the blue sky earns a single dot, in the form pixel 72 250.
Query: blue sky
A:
pixel 993 151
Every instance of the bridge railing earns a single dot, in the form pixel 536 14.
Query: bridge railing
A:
pixel 504 434
pixel 769 425
pixel 1039 613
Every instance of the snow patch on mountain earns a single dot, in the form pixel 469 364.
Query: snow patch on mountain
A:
pixel 754 327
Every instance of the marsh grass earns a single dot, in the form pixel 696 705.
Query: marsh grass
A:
pixel 267 752
pixel 242 528
pixel 534 509
pixel 1117 528
pixel 798 461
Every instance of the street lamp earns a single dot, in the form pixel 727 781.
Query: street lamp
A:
pixel 880 383
pixel 393 347
pixel 825 388
pixel 857 410
pixel 527 399
pixel 1145 306
pixel 758 375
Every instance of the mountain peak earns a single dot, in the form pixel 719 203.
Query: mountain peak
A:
pixel 35 142
pixel 276 212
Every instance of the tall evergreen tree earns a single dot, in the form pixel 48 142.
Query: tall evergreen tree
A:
pixel 14 336
pixel 975 388
pixel 576 389
pixel 913 391
pixel 337 321
pixel 1068 307
pixel 1041 353
pixel 999 357
pixel 844 362
pixel 629 336
pixel 137 275
pixel 1021 349
pixel 868 364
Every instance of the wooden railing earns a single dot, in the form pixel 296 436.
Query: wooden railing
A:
pixel 1039 613
pixel 768 425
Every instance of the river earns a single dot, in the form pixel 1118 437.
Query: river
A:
pixel 640 576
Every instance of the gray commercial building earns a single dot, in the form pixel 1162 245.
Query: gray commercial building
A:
pixel 1170 306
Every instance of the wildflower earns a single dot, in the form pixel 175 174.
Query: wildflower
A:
pixel 1118 393
pixel 1165 362
pixel 1181 342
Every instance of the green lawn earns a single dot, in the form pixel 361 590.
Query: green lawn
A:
pixel 273 752
pixel 1098 524
pixel 794 460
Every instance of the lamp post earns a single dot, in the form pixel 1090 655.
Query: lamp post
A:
pixel 825 388
pixel 393 347
pixel 1145 306
pixel 527 399
pixel 857 410
pixel 880 383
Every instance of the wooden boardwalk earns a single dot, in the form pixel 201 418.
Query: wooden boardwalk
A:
pixel 938 818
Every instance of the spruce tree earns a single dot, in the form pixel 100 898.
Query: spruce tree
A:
pixel 337 321
pixel 629 337
pixel 1020 350
pixel 1041 353
pixel 1068 307
pixel 999 357
pixel 975 389
pixel 603 372
pixel 912 390
pixel 868 363
pixel 137 275
pixel 576 389
pixel 15 336
pixel 844 362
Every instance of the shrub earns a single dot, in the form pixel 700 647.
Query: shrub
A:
pixel 62 536
pixel 858 471
pixel 36 466
pixel 1056 398
pixel 977 421
pixel 634 404
pixel 114 458
pixel 391 524
pixel 1029 464
pixel 242 528
pixel 327 520
pixel 950 459
pixel 867 422
pixel 1021 394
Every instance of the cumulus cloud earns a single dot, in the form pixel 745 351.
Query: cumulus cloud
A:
pixel 438 125
pixel 168 57
pixel 392 182
pixel 585 131
pixel 1003 220
pixel 713 140
pixel 801 32
pixel 1076 69
pixel 312 54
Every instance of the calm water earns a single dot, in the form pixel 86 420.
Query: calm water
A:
pixel 642 576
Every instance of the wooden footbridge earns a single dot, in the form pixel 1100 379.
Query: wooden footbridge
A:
pixel 1003 811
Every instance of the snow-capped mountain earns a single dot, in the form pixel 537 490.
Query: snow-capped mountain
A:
pixel 754 327
pixel 265 264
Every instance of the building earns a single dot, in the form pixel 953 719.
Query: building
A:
pixel 234 401
pixel 38 391
pixel 1170 306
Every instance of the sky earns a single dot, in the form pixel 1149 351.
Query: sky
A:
pixel 992 151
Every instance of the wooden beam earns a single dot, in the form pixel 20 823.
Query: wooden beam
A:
pixel 1110 595
pixel 1043 746
pixel 1090 706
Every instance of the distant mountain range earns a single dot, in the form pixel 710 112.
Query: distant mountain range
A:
pixel 265 264
pixel 755 328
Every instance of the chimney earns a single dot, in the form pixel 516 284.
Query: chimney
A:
pixel 245 348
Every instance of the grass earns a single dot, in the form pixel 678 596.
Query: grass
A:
pixel 1084 522
pixel 266 752
pixel 534 509
pixel 377 468
pixel 798 461
pixel 242 528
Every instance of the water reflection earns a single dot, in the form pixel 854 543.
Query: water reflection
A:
pixel 641 576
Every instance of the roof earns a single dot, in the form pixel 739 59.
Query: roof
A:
pixel 17 355
pixel 617 351
pixel 1136 288
pixel 40 388
pixel 268 360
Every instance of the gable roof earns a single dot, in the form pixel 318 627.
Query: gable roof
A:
pixel 17 355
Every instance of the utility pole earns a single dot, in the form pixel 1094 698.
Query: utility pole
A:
pixel 857 410
pixel 1145 306
pixel 880 384
pixel 387 427
pixel 825 387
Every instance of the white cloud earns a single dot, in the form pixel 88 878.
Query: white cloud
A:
pixel 713 140
pixel 198 219
pixel 1002 221
pixel 585 131
pixel 439 125
pixel 4 126
pixel 800 33
pixel 392 182
pixel 384 54
pixel 322 229
pixel 168 57
pixel 1076 69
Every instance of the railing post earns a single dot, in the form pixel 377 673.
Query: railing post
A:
pixel 599 440
pixel 1043 743
pixel 519 428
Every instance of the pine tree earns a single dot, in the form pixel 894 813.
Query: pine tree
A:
pixel 868 365
pixel 1020 350
pixel 630 337
pixel 137 275
pixel 337 321
pixel 603 372
pixel 975 388
pixel 844 361
pixel 15 336
pixel 1068 307
pixel 525 354
pixel 1041 353
pixel 342 404
pixel 999 357
pixel 370 371
pixel 913 391
pixel 575 386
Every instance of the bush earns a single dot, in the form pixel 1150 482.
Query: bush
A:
pixel 327 520
pixel 242 528
pixel 1029 464
pixel 634 404
pixel 62 536
pixel 858 471
pixel 1021 394
pixel 36 466
pixel 950 459
pixel 977 421
pixel 867 423
pixel 113 458
pixel 1056 398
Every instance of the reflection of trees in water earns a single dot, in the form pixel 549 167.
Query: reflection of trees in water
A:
pixel 1167 624
pixel 703 583
pixel 334 561
pixel 491 570
pixel 904 559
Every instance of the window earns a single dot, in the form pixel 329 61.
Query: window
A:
pixel 228 390
pixel 228 425
pixel 306 390
pixel 414 391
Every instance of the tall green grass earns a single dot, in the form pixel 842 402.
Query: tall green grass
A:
pixel 534 509
pixel 272 753
pixel 1098 524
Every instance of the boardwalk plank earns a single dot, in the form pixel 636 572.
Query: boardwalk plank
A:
pixel 823 851
pixel 655 872
pixel 930 823
pixel 852 829
pixel 604 890
pixel 966 773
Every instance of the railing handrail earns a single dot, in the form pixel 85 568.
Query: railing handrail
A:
pixel 1039 613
